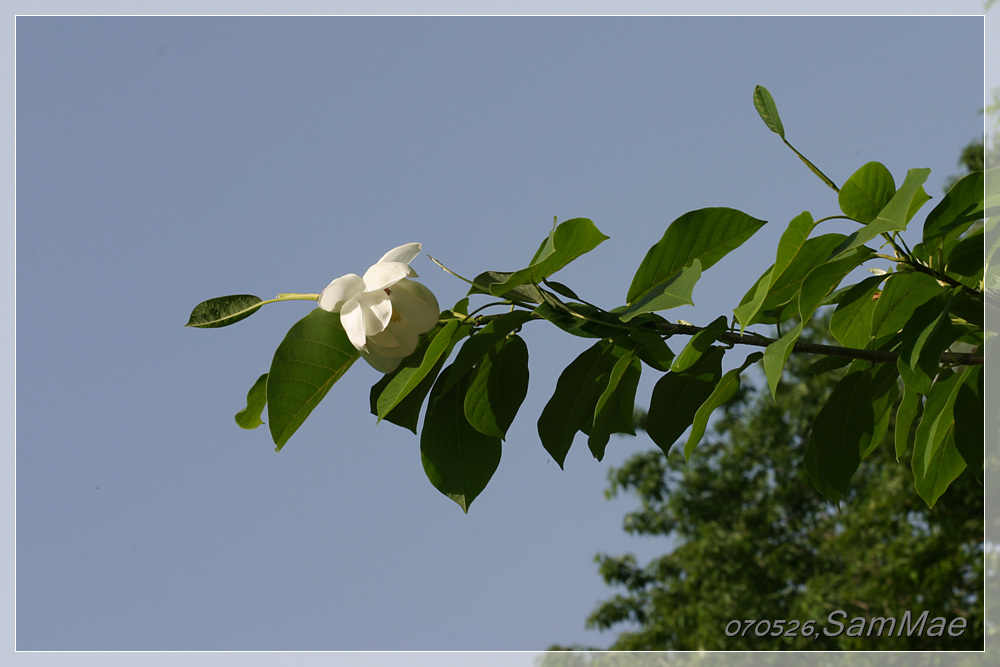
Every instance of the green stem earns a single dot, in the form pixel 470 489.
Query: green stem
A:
pixel 292 296
pixel 813 167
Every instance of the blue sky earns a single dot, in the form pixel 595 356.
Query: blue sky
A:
pixel 165 160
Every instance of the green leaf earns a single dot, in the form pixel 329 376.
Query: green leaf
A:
pixel 895 214
pixel 818 283
pixel 677 396
pixel 249 417
pixel 223 311
pixel 498 387
pixel 867 192
pixel 707 235
pixel 674 291
pixel 965 258
pixel 938 418
pixel 768 111
pixel 652 349
pixel 969 419
pixel 792 242
pixel 522 294
pixel 961 206
pixel 484 340
pixel 585 321
pixel 725 390
pixel 567 241
pixel 927 334
pixel 409 376
pixel 615 408
pixel 842 427
pixel 571 407
pixel 458 460
pixel 785 288
pixel 902 294
pixel 314 354
pixel 885 390
pixel 699 344
pixel 851 323
pixel 939 472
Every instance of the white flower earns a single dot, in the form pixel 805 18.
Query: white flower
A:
pixel 385 312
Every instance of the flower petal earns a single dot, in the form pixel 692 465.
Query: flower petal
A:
pixel 416 305
pixel 386 274
pixel 405 253
pixel 339 291
pixel 376 309
pixel 352 318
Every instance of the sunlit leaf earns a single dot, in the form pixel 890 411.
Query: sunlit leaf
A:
pixel 568 240
pixel 314 354
pixel 728 385
pixel 249 417
pixel 936 475
pixel 768 111
pixel 895 214
pixel 707 235
pixel 673 292
pixel 867 192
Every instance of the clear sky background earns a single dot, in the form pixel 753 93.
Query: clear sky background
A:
pixel 162 161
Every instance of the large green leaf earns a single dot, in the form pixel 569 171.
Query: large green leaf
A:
pixel 938 418
pixel 458 460
pixel 223 311
pixel 843 426
pixel 792 241
pixel 961 206
pixel 965 258
pixel 614 411
pixel 672 292
pixel 867 192
pixel 707 235
pixel 851 323
pixel 934 478
pixel 728 385
pixel 567 241
pixel 314 354
pixel 571 407
pixel 249 417
pixel 677 396
pixel 498 387
pixel 903 293
pixel 895 214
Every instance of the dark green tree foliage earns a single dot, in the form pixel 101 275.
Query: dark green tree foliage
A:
pixel 756 540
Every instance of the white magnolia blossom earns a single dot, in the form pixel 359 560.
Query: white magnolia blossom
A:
pixel 384 312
